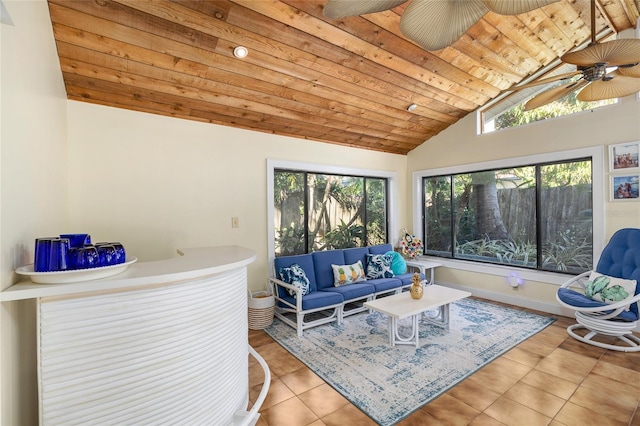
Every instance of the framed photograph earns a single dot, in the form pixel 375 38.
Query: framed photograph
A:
pixel 624 157
pixel 625 187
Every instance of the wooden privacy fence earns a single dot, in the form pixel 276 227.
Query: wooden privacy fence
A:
pixel 561 207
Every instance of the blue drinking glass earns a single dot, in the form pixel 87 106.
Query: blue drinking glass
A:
pixel 51 254
pixel 107 254
pixel 86 257
pixel 77 240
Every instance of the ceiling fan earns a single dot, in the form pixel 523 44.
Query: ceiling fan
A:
pixel 434 24
pixel 607 70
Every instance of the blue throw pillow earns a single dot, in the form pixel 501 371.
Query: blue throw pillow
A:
pixel 379 266
pixel 296 276
pixel 398 264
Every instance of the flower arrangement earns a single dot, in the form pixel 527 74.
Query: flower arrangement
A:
pixel 411 245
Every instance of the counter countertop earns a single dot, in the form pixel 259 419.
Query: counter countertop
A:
pixel 192 263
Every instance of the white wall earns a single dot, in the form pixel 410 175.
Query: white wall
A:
pixel 157 184
pixel 34 186
pixel 459 144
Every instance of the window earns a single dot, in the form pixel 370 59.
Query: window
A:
pixel 536 216
pixel 315 211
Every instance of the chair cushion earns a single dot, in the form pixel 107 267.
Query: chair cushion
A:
pixel 379 266
pixel 604 288
pixel 579 300
pixel 385 284
pixel 398 264
pixel 296 276
pixel 347 274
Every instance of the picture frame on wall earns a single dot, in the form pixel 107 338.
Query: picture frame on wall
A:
pixel 624 157
pixel 625 187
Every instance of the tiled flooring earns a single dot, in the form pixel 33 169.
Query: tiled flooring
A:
pixel 549 379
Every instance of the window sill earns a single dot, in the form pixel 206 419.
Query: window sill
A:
pixel 501 270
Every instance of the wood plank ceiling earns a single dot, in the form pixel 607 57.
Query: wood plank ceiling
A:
pixel 346 81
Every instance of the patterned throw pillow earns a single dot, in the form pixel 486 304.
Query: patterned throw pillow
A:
pixel 295 275
pixel 347 274
pixel 379 266
pixel 608 289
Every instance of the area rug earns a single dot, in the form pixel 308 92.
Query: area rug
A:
pixel 389 383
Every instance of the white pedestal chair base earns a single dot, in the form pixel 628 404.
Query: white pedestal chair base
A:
pixel 622 330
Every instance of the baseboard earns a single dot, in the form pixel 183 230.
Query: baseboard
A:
pixel 550 308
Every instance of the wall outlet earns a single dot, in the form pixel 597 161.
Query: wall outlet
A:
pixel 235 223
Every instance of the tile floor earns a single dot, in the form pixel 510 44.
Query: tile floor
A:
pixel 549 379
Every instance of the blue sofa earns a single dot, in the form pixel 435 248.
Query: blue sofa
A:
pixel 325 302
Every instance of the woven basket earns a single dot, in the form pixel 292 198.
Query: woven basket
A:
pixel 261 308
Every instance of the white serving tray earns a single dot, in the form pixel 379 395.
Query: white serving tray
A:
pixel 74 275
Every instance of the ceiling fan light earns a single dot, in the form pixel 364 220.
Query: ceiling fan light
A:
pixel 335 9
pixel 435 25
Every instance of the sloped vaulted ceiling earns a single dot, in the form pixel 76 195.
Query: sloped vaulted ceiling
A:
pixel 347 81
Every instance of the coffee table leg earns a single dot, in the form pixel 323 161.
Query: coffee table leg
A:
pixel 396 339
pixel 442 319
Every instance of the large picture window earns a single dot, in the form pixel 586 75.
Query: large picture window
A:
pixel 323 211
pixel 536 216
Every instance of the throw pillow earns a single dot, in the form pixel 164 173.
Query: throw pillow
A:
pixel 296 276
pixel 606 289
pixel 347 274
pixel 398 264
pixel 379 266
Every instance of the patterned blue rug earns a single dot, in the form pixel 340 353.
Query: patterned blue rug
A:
pixel 389 383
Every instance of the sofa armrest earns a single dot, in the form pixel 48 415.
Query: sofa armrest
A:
pixel 275 283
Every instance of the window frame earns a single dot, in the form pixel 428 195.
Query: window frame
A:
pixel 598 185
pixel 274 164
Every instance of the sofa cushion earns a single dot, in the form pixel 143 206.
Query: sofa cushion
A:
pixel 352 291
pixel 379 266
pixel 398 264
pixel 380 249
pixel 322 261
pixel 306 263
pixel 316 299
pixel 296 276
pixel 352 255
pixel 347 274
pixel 385 284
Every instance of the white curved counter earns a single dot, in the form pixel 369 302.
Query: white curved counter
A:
pixel 163 342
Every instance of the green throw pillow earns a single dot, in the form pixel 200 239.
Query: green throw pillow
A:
pixel 608 289
pixel 398 264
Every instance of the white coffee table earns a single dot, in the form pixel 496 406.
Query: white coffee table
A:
pixel 401 306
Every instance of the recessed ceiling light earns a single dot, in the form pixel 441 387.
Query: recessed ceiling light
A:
pixel 240 52
pixel 412 107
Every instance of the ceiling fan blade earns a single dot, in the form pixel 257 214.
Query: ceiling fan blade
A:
pixel 633 71
pixel 436 24
pixel 553 94
pixel 515 7
pixel 615 52
pixel 340 8
pixel 618 87
pixel 548 80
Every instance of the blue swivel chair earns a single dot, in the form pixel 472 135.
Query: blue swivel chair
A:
pixel 606 305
